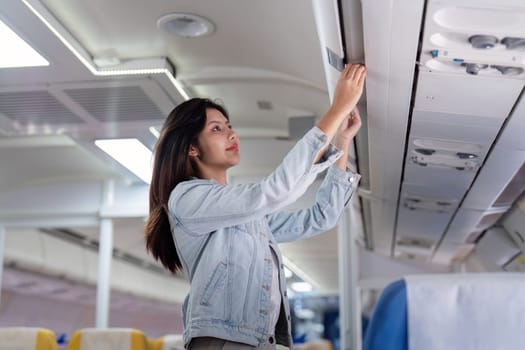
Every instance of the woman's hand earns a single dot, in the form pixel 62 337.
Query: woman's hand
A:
pixel 346 132
pixel 336 120
pixel 348 89
pixel 348 129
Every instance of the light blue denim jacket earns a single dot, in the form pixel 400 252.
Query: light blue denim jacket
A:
pixel 224 235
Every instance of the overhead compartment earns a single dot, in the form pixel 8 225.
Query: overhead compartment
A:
pixel 459 121
pixel 496 247
pixel 390 66
pixel 514 223
pixel 468 223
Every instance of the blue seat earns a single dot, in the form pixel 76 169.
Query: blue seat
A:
pixel 477 311
pixel 387 328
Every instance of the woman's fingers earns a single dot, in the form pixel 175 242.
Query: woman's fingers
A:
pixel 361 79
pixel 355 71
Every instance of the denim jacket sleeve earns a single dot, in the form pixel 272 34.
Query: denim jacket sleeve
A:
pixel 202 206
pixel 331 198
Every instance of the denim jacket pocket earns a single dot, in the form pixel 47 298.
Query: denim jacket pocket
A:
pixel 216 281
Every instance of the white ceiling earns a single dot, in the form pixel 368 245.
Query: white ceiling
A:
pixel 260 51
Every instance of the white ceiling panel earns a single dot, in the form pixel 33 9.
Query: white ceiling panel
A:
pixel 433 127
pixel 421 223
pixel 451 182
pixel 512 136
pixel 500 168
pixel 440 93
pixel 467 221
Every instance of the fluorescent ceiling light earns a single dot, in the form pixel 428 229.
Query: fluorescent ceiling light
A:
pixel 61 33
pixel 287 272
pixel 131 153
pixel 16 52
pixel 301 287
pixel 154 131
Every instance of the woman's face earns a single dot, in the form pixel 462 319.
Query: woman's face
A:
pixel 217 144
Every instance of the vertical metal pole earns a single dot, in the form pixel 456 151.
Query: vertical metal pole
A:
pixel 349 293
pixel 343 237
pixel 105 254
pixel 2 250
pixel 354 290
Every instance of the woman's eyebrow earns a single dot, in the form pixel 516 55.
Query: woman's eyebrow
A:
pixel 218 122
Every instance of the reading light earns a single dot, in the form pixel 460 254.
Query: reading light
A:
pixel 474 68
pixel 483 41
pixel 16 52
pixel 131 153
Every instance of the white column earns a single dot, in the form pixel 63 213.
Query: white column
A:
pixel 354 290
pixel 2 249
pixel 343 237
pixel 105 254
pixel 349 293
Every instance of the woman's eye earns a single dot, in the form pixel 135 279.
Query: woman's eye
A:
pixel 216 128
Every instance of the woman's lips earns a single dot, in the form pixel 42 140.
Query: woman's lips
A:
pixel 233 148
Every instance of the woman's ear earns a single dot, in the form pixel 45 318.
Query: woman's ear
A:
pixel 194 152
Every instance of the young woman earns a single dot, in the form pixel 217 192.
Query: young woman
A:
pixel 225 236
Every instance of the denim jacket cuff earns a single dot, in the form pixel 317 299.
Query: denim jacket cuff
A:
pixel 318 139
pixel 344 177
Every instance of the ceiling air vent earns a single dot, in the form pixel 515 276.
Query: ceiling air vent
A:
pixel 415 242
pixel 265 105
pixel 36 107
pixel 116 104
pixel 513 43
pixel 508 70
pixel 421 258
pixel 446 154
pixel 440 205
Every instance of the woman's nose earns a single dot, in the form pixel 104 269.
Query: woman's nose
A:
pixel 233 135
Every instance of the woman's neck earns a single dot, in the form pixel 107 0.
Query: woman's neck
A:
pixel 218 175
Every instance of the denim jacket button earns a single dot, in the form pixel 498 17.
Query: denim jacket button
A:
pixel 351 180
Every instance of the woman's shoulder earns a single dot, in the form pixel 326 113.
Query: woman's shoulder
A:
pixel 187 187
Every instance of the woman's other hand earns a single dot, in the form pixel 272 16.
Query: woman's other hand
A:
pixel 348 129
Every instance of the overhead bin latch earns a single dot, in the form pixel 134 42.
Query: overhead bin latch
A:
pixel 334 60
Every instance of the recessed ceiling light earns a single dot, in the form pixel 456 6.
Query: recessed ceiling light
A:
pixel 131 153
pixel 186 25
pixel 16 52
pixel 302 287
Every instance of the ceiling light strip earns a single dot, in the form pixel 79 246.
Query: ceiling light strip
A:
pixel 46 17
pixel 300 272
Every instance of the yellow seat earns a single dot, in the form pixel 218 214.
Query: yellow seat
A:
pixel 27 338
pixel 168 342
pixel 319 344
pixel 108 339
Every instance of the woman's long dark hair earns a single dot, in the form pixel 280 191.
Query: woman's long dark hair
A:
pixel 171 165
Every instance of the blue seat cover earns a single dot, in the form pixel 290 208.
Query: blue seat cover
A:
pixel 387 329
